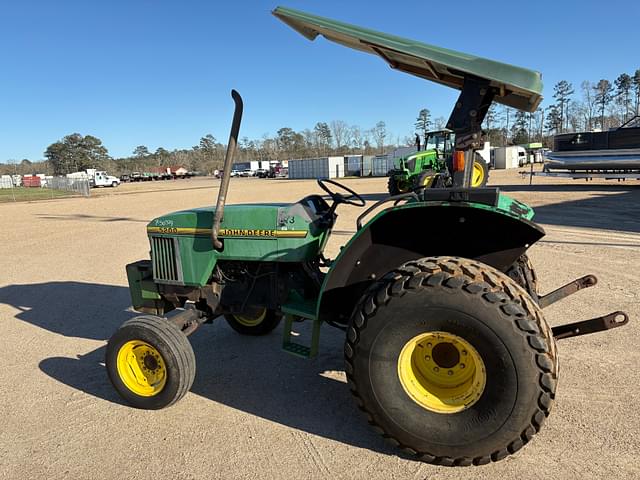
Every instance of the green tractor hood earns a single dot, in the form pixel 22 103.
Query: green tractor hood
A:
pixel 182 248
pixel 517 87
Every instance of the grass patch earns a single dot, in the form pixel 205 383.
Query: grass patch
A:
pixel 24 194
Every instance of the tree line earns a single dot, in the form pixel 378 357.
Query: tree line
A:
pixel 602 104
pixel 76 152
pixel 598 105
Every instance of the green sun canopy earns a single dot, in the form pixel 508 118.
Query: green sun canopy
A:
pixel 516 87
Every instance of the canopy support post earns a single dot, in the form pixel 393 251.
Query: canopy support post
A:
pixel 466 122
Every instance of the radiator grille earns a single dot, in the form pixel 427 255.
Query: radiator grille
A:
pixel 166 261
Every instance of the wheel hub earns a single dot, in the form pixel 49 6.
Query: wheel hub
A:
pixel 441 372
pixel 141 368
pixel 445 355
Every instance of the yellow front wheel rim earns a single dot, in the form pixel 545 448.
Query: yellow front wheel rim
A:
pixel 441 372
pixel 478 175
pixel 251 321
pixel 141 368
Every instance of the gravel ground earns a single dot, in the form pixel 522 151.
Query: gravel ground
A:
pixel 255 411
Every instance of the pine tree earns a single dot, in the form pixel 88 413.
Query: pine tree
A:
pixel 603 91
pixel 623 90
pixel 423 122
pixel 636 88
pixel 561 92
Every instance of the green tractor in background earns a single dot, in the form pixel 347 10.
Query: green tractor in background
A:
pixel 432 167
pixel 446 350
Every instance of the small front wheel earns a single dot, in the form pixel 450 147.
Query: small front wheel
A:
pixel 255 322
pixel 150 362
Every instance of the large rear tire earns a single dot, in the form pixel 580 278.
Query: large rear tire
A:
pixel 480 175
pixel 150 362
pixel 451 361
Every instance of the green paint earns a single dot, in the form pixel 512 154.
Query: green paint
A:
pixel 506 206
pixel 517 87
pixel 256 232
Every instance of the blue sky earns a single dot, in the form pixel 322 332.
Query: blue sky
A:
pixel 159 73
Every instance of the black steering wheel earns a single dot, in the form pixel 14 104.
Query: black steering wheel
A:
pixel 337 197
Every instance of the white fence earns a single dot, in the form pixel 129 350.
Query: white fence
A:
pixel 80 186
pixel 11 189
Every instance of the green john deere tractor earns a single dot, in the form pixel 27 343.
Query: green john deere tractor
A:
pixel 432 167
pixel 446 347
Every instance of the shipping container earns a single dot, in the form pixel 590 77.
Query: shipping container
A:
pixel 31 181
pixel 353 165
pixel 324 167
pixel 381 164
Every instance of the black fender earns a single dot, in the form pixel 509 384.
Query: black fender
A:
pixel 413 231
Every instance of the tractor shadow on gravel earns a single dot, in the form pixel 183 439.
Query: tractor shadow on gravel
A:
pixel 609 207
pixel 250 374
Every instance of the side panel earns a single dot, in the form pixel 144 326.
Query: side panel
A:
pixel 419 230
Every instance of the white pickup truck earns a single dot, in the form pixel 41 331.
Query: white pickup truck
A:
pixel 101 179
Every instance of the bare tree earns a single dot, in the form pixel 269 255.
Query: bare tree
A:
pixel 379 134
pixel 339 129
pixel 356 138
pixel 589 103
pixel 439 123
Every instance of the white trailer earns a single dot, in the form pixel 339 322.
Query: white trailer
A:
pixel 508 157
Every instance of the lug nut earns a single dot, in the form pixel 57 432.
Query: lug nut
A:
pixel 462 365
pixel 436 369
pixel 450 372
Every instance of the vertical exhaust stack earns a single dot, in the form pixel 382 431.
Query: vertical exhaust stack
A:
pixel 228 162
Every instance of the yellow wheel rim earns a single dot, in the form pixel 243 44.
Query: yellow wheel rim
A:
pixel 441 372
pixel 251 321
pixel 427 181
pixel 478 174
pixel 141 368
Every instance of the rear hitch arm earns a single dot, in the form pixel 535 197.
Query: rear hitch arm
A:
pixel 566 290
pixel 585 327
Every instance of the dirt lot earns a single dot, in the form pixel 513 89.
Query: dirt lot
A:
pixel 254 411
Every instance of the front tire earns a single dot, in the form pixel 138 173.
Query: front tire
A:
pixel 256 322
pixel 452 361
pixel 524 275
pixel 392 187
pixel 150 362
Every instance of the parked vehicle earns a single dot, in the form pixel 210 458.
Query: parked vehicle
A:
pixel 99 178
pixel 432 167
pixel 446 347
